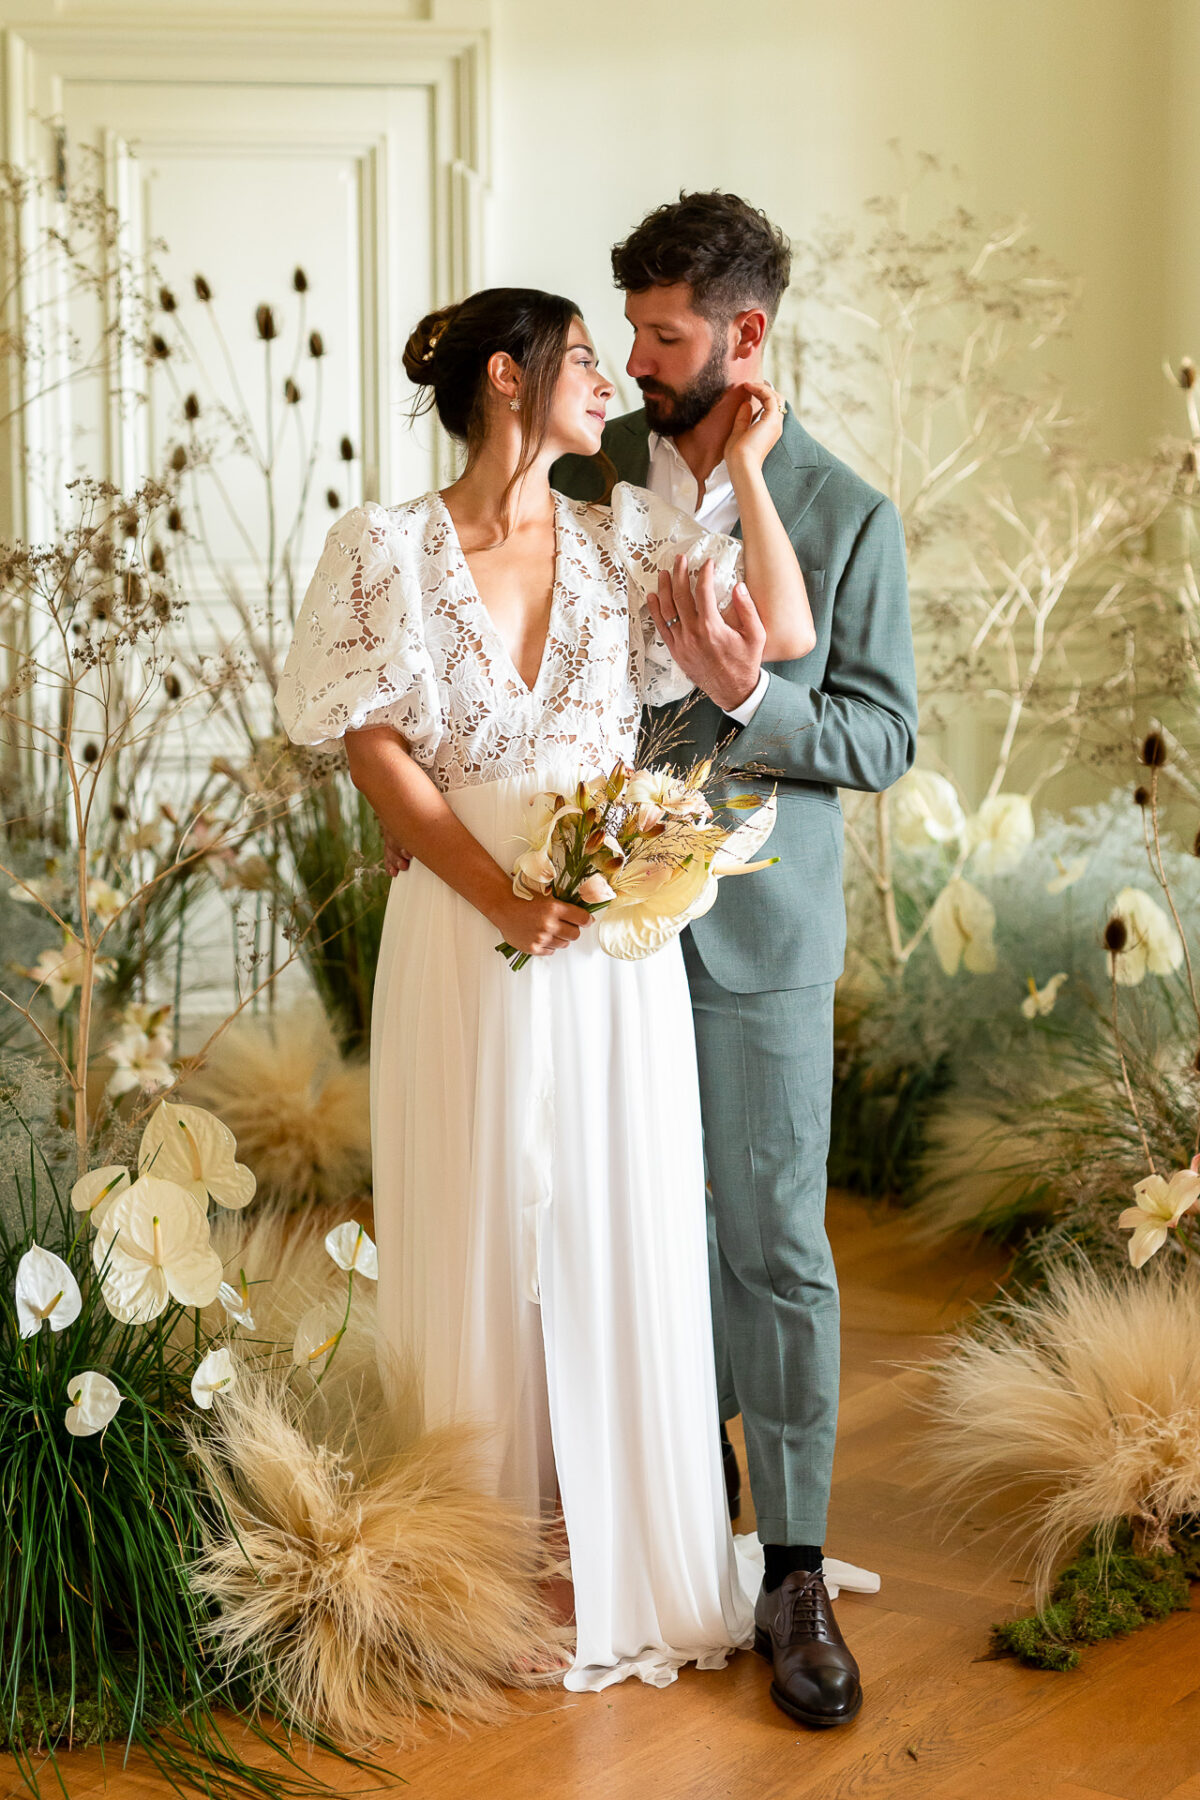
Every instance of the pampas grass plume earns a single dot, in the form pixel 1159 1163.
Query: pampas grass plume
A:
pixel 977 1173
pixel 1085 1400
pixel 299 1112
pixel 356 1594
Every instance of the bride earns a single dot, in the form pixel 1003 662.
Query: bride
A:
pixel 539 1183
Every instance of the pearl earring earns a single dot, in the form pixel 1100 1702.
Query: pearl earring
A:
pixel 514 406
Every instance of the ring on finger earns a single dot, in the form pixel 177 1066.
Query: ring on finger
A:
pixel 671 623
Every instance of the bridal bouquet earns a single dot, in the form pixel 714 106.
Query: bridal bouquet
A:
pixel 640 846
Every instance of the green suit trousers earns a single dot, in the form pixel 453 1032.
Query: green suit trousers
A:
pixel 766 1070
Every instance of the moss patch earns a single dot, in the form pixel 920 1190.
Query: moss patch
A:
pixel 1098 1596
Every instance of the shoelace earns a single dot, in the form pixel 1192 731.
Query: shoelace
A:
pixel 803 1611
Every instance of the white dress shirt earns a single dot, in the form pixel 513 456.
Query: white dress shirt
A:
pixel 670 478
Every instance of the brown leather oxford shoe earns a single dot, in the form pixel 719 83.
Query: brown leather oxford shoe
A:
pixel 816 1678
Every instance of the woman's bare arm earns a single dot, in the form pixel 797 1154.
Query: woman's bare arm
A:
pixel 413 812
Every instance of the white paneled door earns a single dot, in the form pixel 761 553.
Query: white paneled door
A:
pixel 243 186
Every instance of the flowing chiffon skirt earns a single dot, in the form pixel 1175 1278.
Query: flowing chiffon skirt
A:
pixel 539 1203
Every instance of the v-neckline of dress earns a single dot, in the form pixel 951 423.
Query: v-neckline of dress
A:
pixel 478 601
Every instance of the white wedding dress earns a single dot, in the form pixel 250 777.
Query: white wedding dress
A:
pixel 539 1186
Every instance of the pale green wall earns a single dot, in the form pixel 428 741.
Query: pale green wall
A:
pixel 1071 111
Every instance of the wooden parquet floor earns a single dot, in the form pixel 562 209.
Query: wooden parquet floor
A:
pixel 939 1722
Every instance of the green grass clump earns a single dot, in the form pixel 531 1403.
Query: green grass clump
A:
pixel 1102 1594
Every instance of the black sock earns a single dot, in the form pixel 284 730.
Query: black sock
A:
pixel 780 1560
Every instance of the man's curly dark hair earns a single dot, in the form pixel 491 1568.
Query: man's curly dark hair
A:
pixel 727 251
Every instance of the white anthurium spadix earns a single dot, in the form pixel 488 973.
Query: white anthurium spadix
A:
pixel 1152 947
pixel 1160 1206
pixel 639 922
pixel 92 1403
pixel 318 1332
pixel 95 1192
pixel 961 924
pixel 155 1243
pixel 926 810
pixel 215 1374
pixel 236 1301
pixel 352 1250
pixel 47 1293
pixel 190 1146
pixel 1000 833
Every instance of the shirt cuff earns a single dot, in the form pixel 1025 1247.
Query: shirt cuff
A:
pixel 750 705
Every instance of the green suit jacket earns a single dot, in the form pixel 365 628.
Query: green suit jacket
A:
pixel 845 715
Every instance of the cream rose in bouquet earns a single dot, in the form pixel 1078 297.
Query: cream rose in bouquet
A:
pixel 640 846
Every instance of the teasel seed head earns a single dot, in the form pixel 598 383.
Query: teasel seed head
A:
pixel 1141 796
pixel 1187 373
pixel 203 291
pixel 300 281
pixel 179 459
pixel 1116 935
pixel 291 392
pixel 346 450
pixel 173 686
pixel 264 322
pixel 332 499
pixel 1154 750
pixel 174 519
pixel 191 407
pixel 159 348
pixel 316 344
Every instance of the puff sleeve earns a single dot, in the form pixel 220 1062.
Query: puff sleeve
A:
pixel 359 655
pixel 650 533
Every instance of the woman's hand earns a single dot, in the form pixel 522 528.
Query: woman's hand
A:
pixel 756 429
pixel 541 926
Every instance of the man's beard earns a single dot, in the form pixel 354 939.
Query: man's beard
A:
pixel 685 407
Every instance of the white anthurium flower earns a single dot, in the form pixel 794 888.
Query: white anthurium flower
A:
pixel 1153 945
pixel 155 1242
pixel 1000 833
pixel 961 924
pixel 104 899
pixel 62 970
pixel 352 1250
pixel 648 915
pixel 1068 874
pixel 1040 1000
pixel 236 1301
pixel 926 810
pixel 188 1145
pixel 215 1374
pixel 317 1334
pixel 138 1062
pixel 95 1192
pixel 94 1400
pixel 47 1292
pixel 1160 1206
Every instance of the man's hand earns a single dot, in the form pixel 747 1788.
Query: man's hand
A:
pixel 720 651
pixel 395 857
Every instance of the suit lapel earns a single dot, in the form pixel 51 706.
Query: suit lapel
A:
pixel 627 442
pixel 793 475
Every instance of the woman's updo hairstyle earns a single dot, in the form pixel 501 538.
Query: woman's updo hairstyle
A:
pixel 449 351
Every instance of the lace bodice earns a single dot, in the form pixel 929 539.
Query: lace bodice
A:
pixel 393 632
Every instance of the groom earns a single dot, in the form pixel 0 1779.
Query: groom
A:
pixel 703 277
